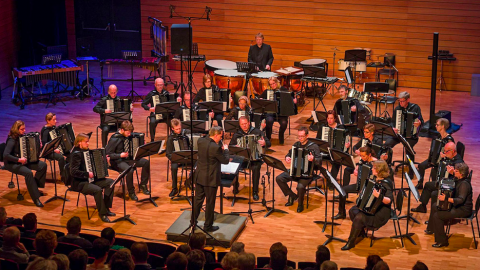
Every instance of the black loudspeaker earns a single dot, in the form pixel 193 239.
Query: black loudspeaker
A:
pixel 181 35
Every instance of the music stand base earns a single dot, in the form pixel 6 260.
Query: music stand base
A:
pixel 127 218
pixel 412 218
pixel 407 236
pixel 150 199
pixel 271 210
pixel 325 224
pixel 249 212
pixel 317 189
pixel 331 238
pixel 56 197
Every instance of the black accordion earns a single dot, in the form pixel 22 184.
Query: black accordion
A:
pixel 30 147
pixel 65 130
pixel 344 111
pixel 442 171
pixel 335 137
pixel 300 166
pixel 96 162
pixel 119 105
pixel 366 202
pixel 132 143
pixel 404 123
pixel 180 143
pixel 251 142
pixel 380 150
pixel 435 149
pixel 224 96
pixel 363 174
pixel 167 97
pixel 446 187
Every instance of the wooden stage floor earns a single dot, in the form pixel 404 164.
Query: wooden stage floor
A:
pixel 297 231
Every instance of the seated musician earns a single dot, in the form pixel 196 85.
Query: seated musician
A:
pixel 119 159
pixel 441 126
pixel 51 120
pixel 13 163
pixel 100 189
pixel 283 179
pixel 202 96
pixel 255 165
pixel 260 53
pixel 177 133
pixel 186 105
pixel 242 107
pixel 355 107
pixel 366 157
pixel 462 204
pixel 450 157
pixel 361 220
pixel 270 118
pixel 101 108
pixel 369 139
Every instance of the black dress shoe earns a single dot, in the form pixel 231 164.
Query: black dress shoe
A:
pixel 133 196
pixel 340 216
pixel 105 219
pixel 173 192
pixel 144 190
pixel 255 196
pixel 110 214
pixel 42 193
pixel 211 229
pixel 235 191
pixel 38 203
pixel 428 232
pixel 439 245
pixel 420 209
pixel 300 208
pixel 291 200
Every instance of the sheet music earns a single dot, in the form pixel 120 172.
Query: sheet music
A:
pixel 315 118
pixel 412 187
pixel 162 147
pixel 230 168
pixel 209 95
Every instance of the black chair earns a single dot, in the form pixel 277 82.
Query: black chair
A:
pixel 474 215
pixel 460 149
pixel 66 248
pixel 112 129
pixel 388 99
pixel 389 62
pixel 304 265
pixel 11 184
pixel 160 249
pixel 68 181
pixel 156 261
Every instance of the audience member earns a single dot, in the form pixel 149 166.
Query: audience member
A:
pixel 371 261
pixel 3 219
pixel 246 261
pixel 176 261
pixel 12 248
pixel 420 266
pixel 62 261
pixel 328 265
pixel 140 256
pixel 381 265
pixel 184 249
pixel 198 241
pixel 122 260
pixel 322 254
pixel 100 249
pixel 45 243
pixel 196 260
pixel 237 247
pixel 78 259
pixel 278 246
pixel 74 226
pixel 229 262
pixel 278 260
pixel 109 234
pixel 30 225
pixel 42 264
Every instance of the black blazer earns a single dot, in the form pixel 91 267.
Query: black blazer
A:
pixel 115 147
pixel 78 171
pixel 210 157
pixel 202 95
pixel 102 104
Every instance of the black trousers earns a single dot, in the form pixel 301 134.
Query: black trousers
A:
pixel 210 193
pixel 153 125
pixel 101 191
pixel 392 141
pixel 335 169
pixel 357 218
pixel 219 118
pixel 33 183
pixel 342 199
pixel 142 163
pixel 429 192
pixel 437 219
pixel 255 167
pixel 347 175
pixel 282 120
pixel 61 162
pixel 106 129
pixel 422 167
pixel 174 170
pixel 284 178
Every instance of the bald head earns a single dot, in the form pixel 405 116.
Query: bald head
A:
pixel 159 83
pixel 450 150
pixel 112 90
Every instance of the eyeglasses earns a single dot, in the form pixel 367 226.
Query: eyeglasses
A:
pixel 303 136
pixel 446 151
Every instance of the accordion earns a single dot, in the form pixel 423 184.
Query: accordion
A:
pixel 65 130
pixel 446 187
pixel 181 142
pixel 194 144
pixel 251 142
pixel 286 106
pixel 224 96
pixel 404 123
pixel 166 96
pixel 345 113
pixel 257 119
pixel 132 143
pixel 335 137
pixel 30 146
pixel 380 150
pixel 442 171
pixel 300 166
pixel 366 202
pixel 156 100
pixel 363 174
pixel 96 162
pixel 435 149
pixel 119 105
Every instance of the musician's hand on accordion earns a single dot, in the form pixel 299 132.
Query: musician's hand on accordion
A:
pixel 108 111
pixel 261 142
pixel 396 130
pixel 353 108
pixel 347 145
pixel 417 123
pixel 295 100
pixel 152 109
pixel 124 155
pixel 179 99
pixel 450 169
pixel 441 197
pixel 211 114
pixel 57 151
pixel 376 193
pixel 263 125
pixel 90 175
pixel 108 159
pixel 23 161
pixel 355 172
pixel 288 160
pixel 310 157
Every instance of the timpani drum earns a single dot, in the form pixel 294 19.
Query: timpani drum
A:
pixel 313 62
pixel 229 79
pixel 342 65
pixel 361 66
pixel 259 81
pixel 212 65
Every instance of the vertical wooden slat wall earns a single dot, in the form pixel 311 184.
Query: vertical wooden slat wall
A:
pixel 7 42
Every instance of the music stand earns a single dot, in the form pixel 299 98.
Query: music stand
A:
pixel 48 149
pixel 52 59
pixel 184 157
pixel 315 73
pixel 131 56
pixel 231 126
pixel 411 189
pixel 275 164
pixel 377 88
pixel 121 179
pixel 262 106
pixel 230 171
pixel 116 117
pixel 326 174
pixel 215 106
pixel 384 129
pixel 355 56
pixel 147 150
pixel 195 126
pixel 167 108
pixel 248 68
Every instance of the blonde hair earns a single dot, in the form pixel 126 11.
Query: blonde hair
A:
pixel 275 79
pixel 80 138
pixel 175 122
pixel 383 171
pixel 245 98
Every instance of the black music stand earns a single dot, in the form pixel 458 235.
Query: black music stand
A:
pixel 384 129
pixel 48 149
pixel 184 157
pixel 355 56
pixel 196 126
pixel 377 88
pixel 167 108
pixel 315 73
pixel 214 106
pixel 121 179
pixel 116 117
pixel 147 150
pixel 326 174
pixel 262 106
pixel 319 118
pixel 51 60
pixel 275 164
pixel 132 57
pixel 248 68
pixel 230 126
pixel 230 171
pixel 245 152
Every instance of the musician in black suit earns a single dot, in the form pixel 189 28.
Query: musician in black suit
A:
pixel 116 150
pixel 202 96
pixel 450 157
pixel 360 220
pixel 100 189
pixel 186 105
pixel 255 165
pixel 357 110
pixel 208 174
pixel 366 157
pixel 441 126
pixel 283 179
pixel 370 139
pixel 13 163
pixel 260 53
pixel 101 108
pixel 462 206
pixel 242 107
pixel 177 134
pixel 51 120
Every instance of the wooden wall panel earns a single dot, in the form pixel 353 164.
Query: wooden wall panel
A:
pixel 299 30
pixel 8 39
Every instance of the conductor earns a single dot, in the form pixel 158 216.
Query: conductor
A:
pixel 208 174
